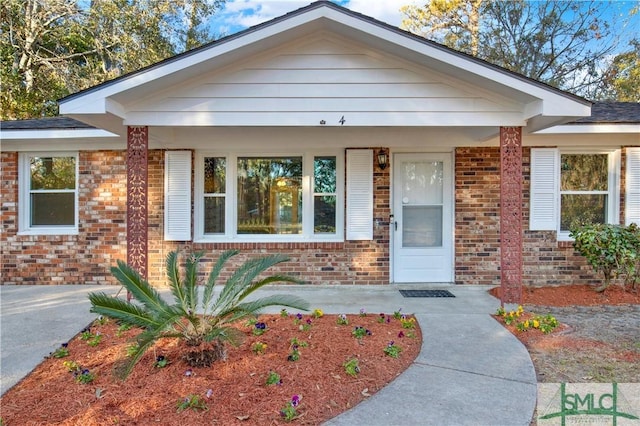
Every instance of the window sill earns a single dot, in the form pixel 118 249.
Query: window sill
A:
pixel 232 240
pixel 48 231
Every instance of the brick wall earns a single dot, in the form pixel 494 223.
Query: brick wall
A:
pixel 351 262
pixel 347 263
pixel 477 217
pixel 68 259
pixel 86 258
pixel 546 261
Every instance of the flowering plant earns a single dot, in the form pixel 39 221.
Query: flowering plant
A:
pixel 84 376
pixel 273 378
pixel 284 313
pixel 259 348
pixel 397 314
pixel 408 322
pixel 363 313
pixel 289 412
pixel 342 320
pixel 294 355
pixel 161 361
pixel 62 351
pixel 300 343
pixel 359 332
pixel 306 326
pixel 81 375
pixel 317 313
pixel 90 338
pixel 351 367
pixel 511 316
pixel 259 328
pixel 392 350
pixel 545 324
pixel 192 401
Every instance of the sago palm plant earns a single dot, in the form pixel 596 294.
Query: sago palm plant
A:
pixel 204 327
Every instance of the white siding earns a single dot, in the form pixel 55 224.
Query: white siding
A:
pixel 632 193
pixel 543 215
pixel 359 194
pixel 325 79
pixel 177 196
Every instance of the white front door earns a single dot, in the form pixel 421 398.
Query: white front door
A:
pixel 422 218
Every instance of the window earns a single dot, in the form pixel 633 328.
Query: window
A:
pixel 570 188
pixel 584 189
pixel 214 195
pixel 324 195
pixel 268 198
pixel 48 193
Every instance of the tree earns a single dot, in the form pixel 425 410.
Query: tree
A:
pixel 202 327
pixel 455 23
pixel 561 43
pixel 50 48
pixel 622 78
pixel 35 45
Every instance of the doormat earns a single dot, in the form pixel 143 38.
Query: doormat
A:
pixel 426 293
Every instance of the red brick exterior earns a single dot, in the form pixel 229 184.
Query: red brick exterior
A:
pixel 86 258
pixel 68 259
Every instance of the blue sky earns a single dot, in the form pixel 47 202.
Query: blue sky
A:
pixel 240 14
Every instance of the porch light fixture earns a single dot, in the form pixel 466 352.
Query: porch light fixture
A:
pixel 382 159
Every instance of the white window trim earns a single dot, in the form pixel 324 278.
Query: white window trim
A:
pixel 231 235
pixel 613 208
pixel 24 199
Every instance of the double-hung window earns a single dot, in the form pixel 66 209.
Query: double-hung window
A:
pixel 48 193
pixel 290 197
pixel 570 188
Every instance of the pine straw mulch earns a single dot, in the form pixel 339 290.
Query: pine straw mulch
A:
pixel 239 394
pixel 596 354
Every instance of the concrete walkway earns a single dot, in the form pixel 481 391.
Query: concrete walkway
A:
pixel 470 371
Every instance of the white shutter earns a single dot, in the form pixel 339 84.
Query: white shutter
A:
pixel 544 203
pixel 177 196
pixel 632 191
pixel 359 194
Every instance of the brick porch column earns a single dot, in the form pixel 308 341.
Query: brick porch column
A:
pixel 137 186
pixel 511 214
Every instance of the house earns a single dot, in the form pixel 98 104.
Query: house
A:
pixel 365 153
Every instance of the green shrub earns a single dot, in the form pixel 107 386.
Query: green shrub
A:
pixel 612 250
pixel 204 326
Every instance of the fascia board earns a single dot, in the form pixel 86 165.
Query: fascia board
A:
pixel 595 128
pixel 55 134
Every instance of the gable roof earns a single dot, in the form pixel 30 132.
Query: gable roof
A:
pixel 105 105
pixel 312 6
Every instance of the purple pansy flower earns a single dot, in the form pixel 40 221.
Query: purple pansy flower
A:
pixel 295 400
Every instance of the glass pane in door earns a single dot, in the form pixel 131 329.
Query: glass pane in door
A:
pixel 422 226
pixel 422 202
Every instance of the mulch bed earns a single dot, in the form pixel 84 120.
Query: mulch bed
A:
pixel 238 391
